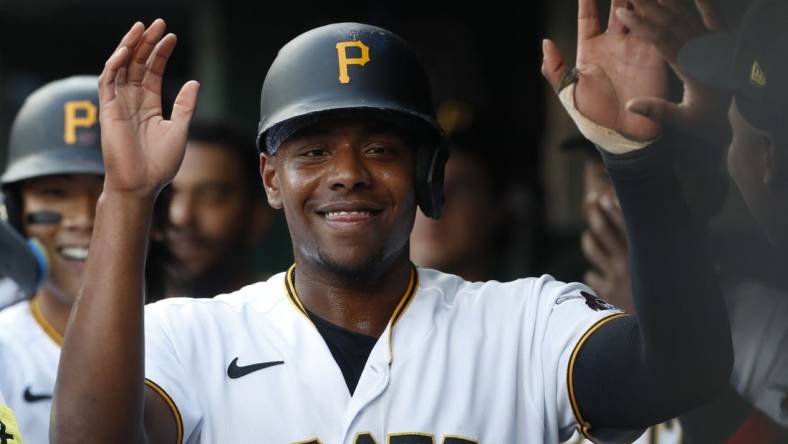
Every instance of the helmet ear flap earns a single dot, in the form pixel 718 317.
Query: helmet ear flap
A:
pixel 12 206
pixel 430 171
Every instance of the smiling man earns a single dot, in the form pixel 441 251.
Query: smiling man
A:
pixel 354 344
pixel 209 219
pixel 51 184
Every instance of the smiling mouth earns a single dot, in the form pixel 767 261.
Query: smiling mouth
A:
pixel 74 253
pixel 349 216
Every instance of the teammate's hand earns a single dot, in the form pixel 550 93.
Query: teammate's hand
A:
pixel 142 151
pixel 614 66
pixel 669 24
pixel 604 245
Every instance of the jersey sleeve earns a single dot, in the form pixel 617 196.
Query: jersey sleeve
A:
pixel 566 316
pixel 166 374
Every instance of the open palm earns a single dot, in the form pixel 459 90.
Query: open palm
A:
pixel 142 151
pixel 614 66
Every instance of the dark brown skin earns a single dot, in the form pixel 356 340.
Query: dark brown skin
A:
pixel 336 166
pixel 350 271
pixel 99 394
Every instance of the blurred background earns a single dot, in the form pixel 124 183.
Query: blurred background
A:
pixel 483 59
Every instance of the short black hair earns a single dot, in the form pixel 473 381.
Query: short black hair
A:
pixel 239 142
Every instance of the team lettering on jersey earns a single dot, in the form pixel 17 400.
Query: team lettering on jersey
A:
pixel 9 431
pixel 402 438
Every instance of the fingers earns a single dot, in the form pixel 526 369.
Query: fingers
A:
pixel 597 283
pixel 657 110
pixel 614 214
pixel 142 51
pixel 609 236
pixel 660 35
pixel 553 67
pixel 614 25
pixel 132 36
pixel 185 105
pixel 656 13
pixel 587 20
pixel 157 62
pixel 709 15
pixel 593 251
pixel 117 61
pixel 110 73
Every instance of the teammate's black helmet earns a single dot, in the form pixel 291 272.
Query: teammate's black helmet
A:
pixel 352 67
pixel 55 132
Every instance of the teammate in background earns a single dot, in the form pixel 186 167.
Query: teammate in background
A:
pixel 749 63
pixel 354 344
pixel 51 184
pixel 209 218
pixel 468 239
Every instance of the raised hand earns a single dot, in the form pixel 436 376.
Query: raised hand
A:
pixel 669 24
pixel 614 66
pixel 142 151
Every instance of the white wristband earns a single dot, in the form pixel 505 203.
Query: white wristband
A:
pixel 606 138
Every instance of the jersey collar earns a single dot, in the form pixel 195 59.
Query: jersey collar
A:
pixel 402 306
pixel 45 325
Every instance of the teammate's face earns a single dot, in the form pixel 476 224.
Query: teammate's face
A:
pixel 66 242
pixel 209 209
pixel 752 165
pixel 347 191
pixel 468 222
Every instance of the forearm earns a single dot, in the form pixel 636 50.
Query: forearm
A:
pixel 677 352
pixel 100 386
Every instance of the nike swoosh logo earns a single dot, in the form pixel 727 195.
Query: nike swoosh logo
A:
pixel 234 371
pixel 29 397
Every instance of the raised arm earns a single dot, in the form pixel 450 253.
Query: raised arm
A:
pixel 100 395
pixel 676 353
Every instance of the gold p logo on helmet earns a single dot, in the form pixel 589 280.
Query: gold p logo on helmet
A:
pixel 345 61
pixel 79 114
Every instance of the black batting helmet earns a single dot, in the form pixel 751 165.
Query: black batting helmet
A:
pixel 55 132
pixel 352 67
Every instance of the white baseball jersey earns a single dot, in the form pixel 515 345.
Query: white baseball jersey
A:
pixel 458 363
pixel 9 292
pixel 669 432
pixel 29 354
pixel 759 325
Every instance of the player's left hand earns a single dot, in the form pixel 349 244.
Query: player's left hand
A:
pixel 142 150
pixel 614 66
pixel 669 24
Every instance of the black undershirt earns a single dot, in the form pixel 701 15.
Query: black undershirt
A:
pixel 350 350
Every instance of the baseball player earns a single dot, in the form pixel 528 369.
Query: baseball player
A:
pixel 750 64
pixel 353 344
pixel 51 183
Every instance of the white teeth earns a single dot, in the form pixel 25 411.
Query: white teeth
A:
pixel 346 213
pixel 74 253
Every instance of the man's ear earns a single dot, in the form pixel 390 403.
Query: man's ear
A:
pixel 270 180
